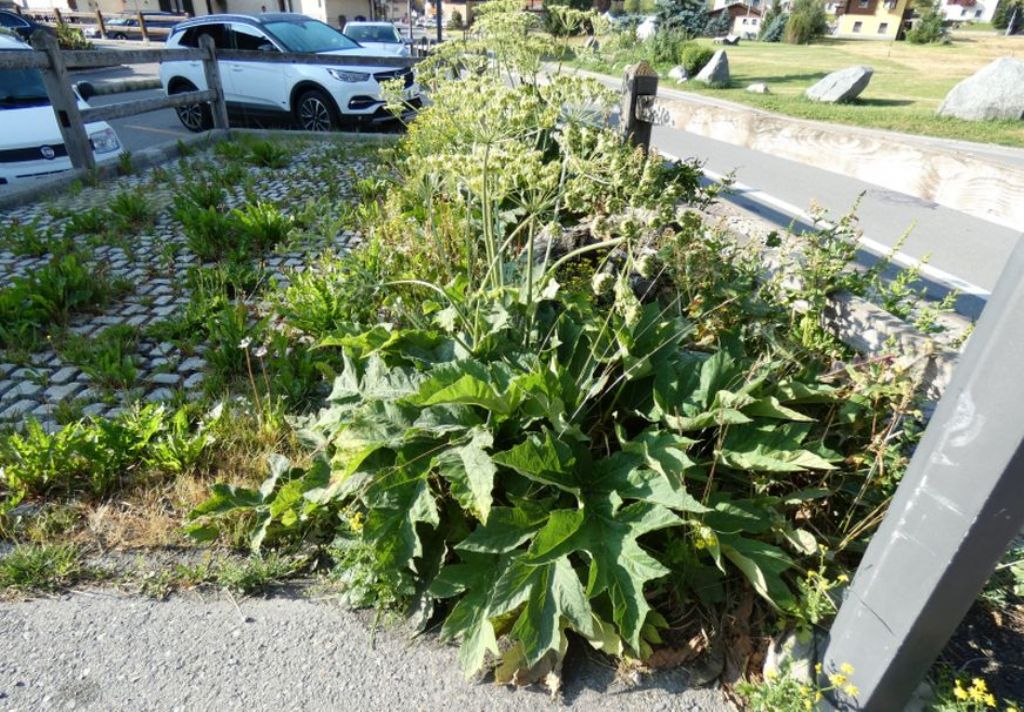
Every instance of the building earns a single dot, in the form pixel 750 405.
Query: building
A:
pixel 969 10
pixel 746 19
pixel 872 19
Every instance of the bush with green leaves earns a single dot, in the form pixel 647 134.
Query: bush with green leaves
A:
pixel 695 57
pixel 807 22
pixel 580 410
pixel 929 27
pixel 689 16
pixel 95 457
pixel 774 30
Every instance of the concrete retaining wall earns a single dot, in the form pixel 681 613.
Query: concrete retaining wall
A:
pixel 974 185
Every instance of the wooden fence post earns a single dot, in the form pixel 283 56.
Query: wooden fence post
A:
pixel 102 25
pixel 639 87
pixel 142 27
pixel 218 108
pixel 60 18
pixel 64 102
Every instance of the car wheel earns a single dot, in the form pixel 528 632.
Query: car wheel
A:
pixel 194 117
pixel 120 36
pixel 315 112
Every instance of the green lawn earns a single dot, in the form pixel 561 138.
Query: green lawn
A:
pixel 909 83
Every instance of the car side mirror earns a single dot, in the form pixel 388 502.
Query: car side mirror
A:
pixel 85 90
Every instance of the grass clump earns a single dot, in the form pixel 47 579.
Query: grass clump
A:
pixel 109 358
pixel 41 568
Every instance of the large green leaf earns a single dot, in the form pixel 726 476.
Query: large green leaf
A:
pixel 763 565
pixel 625 474
pixel 396 503
pixel 470 472
pixel 542 458
pixel 506 529
pixel 469 383
pixel 469 620
pixel 551 591
pixel 773 448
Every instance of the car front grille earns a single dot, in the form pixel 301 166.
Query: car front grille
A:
pixel 33 153
pixel 405 74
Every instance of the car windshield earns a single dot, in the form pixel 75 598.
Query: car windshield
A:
pixel 373 33
pixel 22 87
pixel 308 36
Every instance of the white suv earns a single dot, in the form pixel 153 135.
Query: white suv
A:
pixel 30 142
pixel 316 96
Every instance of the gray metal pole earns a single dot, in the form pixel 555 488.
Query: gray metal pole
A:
pixel 955 513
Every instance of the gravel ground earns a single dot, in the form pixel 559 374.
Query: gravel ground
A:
pixel 100 650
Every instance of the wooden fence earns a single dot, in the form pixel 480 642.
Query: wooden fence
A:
pixel 111 25
pixel 55 63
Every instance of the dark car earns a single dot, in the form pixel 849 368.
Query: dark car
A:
pixel 22 26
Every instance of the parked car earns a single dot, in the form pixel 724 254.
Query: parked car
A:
pixel 317 96
pixel 381 36
pixel 22 26
pixel 127 28
pixel 30 143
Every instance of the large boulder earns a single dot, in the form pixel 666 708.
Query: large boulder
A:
pixel 678 73
pixel 842 86
pixel 716 72
pixel 996 91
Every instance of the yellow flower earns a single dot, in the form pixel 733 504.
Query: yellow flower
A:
pixel 837 679
pixel 990 700
pixel 846 668
pixel 960 693
pixel 817 696
pixel 979 685
pixel 808 704
pixel 817 668
pixel 771 675
pixel 851 690
pixel 355 522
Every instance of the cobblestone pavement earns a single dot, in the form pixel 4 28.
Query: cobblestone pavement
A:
pixel 154 265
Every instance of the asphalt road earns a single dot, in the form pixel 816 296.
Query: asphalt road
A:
pixel 965 252
pixel 144 130
pixel 98 650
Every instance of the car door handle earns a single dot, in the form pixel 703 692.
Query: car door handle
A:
pixel 236 69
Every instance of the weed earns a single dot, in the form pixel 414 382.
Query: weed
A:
pixel 107 358
pixel 267 154
pixel 262 226
pixel 93 221
pixel 125 166
pixel 257 573
pixel 41 567
pixel 132 210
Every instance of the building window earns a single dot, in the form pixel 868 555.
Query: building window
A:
pixel 857 26
pixel 977 13
pixel 863 4
pixel 883 28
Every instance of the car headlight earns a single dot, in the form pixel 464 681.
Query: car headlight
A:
pixel 343 76
pixel 104 141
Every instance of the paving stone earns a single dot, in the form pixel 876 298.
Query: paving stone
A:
pixel 138 320
pixel 166 379
pixel 160 394
pixel 94 410
pixel 64 375
pixel 18 409
pixel 62 393
pixel 193 363
pixel 194 381
pixel 21 389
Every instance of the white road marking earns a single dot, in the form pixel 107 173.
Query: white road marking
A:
pixel 881 249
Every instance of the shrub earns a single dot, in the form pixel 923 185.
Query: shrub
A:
pixel 807 22
pixel 719 26
pixel 455 21
pixel 695 57
pixel 689 16
pixel 666 47
pixel 71 38
pixel 928 29
pixel 773 31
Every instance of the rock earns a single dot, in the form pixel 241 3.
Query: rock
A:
pixel 844 85
pixel 795 654
pixel 758 88
pixel 996 91
pixel 731 40
pixel 678 73
pixel 716 71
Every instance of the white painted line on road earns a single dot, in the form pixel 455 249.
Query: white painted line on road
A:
pixel 881 249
